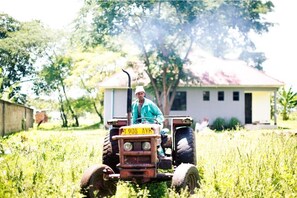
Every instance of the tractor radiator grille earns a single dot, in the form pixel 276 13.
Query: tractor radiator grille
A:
pixel 137 159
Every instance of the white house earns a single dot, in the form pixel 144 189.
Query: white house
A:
pixel 215 88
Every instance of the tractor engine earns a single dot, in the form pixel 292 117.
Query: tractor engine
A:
pixel 138 151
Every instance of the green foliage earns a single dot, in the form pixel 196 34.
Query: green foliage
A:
pixel 90 67
pixel 251 164
pixel 43 104
pixel 53 75
pixel 288 101
pixel 288 124
pixel 20 46
pixel 52 79
pixel 260 163
pixel 164 32
pixel 219 124
pixel 51 163
pixel 8 25
pixel 234 123
pixel 82 105
pixel 156 189
pixel 46 164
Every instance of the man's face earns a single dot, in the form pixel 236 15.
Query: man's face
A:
pixel 140 95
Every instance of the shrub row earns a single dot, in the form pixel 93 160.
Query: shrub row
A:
pixel 220 124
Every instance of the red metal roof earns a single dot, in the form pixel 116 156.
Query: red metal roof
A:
pixel 204 72
pixel 224 72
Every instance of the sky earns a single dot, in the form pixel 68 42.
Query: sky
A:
pixel 279 44
pixel 55 13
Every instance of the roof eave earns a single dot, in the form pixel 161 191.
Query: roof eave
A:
pixel 231 86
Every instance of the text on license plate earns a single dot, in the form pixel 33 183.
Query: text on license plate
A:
pixel 137 131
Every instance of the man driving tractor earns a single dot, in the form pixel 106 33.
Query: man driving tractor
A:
pixel 144 110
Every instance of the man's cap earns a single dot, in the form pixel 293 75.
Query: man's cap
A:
pixel 139 89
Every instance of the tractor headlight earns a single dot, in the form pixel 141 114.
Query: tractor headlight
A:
pixel 128 146
pixel 146 146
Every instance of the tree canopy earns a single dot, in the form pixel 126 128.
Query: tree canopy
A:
pixel 165 32
pixel 20 45
pixel 52 79
pixel 91 66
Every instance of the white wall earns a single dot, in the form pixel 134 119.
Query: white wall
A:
pixel 115 104
pixel 108 102
pixel 212 109
pixel 261 107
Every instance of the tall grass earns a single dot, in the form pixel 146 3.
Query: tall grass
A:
pixel 47 164
pixel 288 124
pixel 50 163
pixel 248 164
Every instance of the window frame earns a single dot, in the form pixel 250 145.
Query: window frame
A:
pixel 236 97
pixel 179 104
pixel 206 95
pixel 221 95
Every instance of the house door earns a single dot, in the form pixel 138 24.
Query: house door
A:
pixel 248 108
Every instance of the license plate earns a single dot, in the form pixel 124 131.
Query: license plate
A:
pixel 137 131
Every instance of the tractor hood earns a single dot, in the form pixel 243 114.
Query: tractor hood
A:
pixel 140 129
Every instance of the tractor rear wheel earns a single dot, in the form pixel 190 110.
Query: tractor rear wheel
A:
pixel 110 150
pixel 185 148
pixel 185 176
pixel 94 184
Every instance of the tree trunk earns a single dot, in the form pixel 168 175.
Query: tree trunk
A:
pixel 94 103
pixel 62 113
pixel 69 105
pixel 98 113
pixel 285 114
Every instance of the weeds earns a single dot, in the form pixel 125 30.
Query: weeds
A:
pixel 50 163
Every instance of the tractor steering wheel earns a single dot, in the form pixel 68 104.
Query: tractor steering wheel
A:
pixel 146 120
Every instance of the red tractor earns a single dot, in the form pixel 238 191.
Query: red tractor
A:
pixel 132 153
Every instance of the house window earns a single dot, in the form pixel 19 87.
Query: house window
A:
pixel 220 96
pixel 180 101
pixel 205 95
pixel 235 95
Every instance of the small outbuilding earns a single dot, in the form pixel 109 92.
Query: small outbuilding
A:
pixel 41 117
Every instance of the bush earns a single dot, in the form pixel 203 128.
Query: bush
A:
pixel 219 124
pixel 234 123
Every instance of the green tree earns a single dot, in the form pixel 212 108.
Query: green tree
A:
pixel 288 101
pixel 165 32
pixel 21 44
pixel 52 79
pixel 91 66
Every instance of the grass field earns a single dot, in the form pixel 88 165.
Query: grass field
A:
pixel 50 163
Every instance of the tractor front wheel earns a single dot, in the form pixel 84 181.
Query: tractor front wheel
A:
pixel 185 176
pixel 95 184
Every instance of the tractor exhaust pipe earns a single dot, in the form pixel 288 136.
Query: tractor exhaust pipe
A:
pixel 129 99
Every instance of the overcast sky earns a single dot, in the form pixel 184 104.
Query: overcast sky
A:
pixel 279 44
